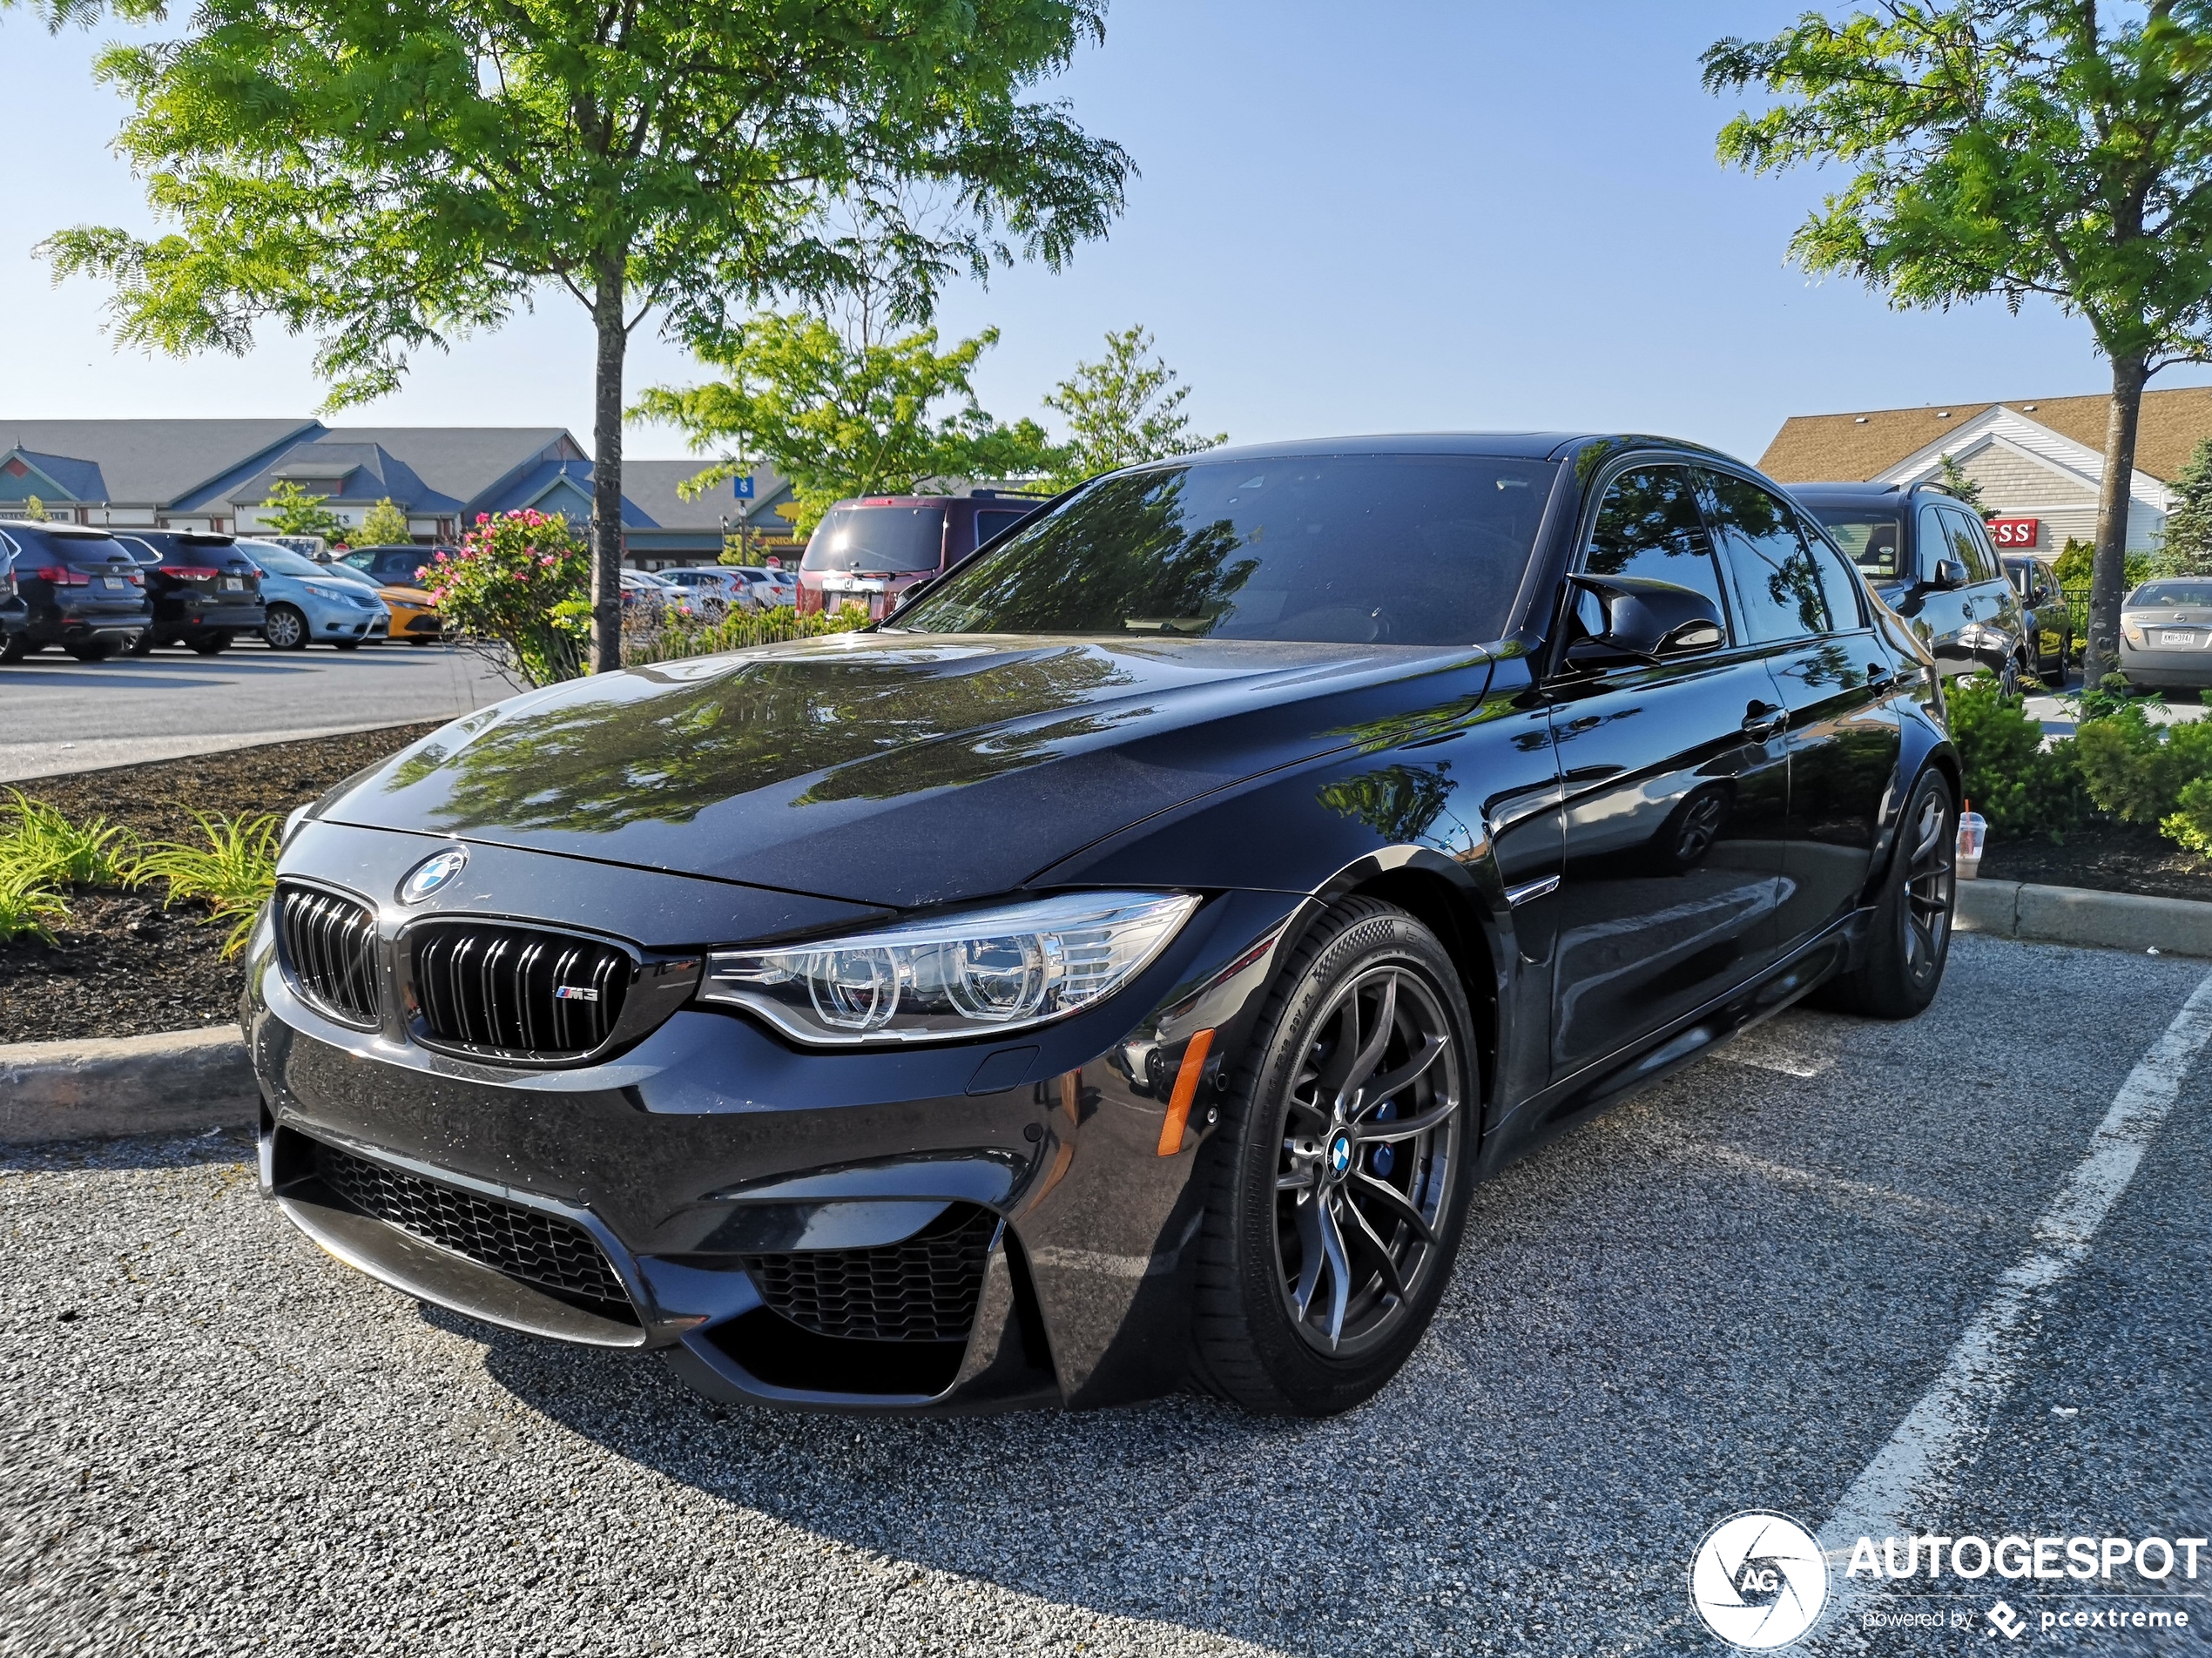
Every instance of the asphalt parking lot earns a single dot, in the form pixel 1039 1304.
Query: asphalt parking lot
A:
pixel 1726 1295
pixel 71 716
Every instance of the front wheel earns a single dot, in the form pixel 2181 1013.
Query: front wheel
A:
pixel 1909 938
pixel 285 628
pixel 1337 1186
pixel 2008 680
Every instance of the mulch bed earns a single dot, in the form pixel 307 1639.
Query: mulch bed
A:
pixel 121 966
pixel 2110 857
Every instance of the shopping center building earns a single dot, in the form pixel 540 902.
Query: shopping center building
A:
pixel 2040 462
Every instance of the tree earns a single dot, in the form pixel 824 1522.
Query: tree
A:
pixel 389 175
pixel 1953 477
pixel 2010 147
pixel 841 417
pixel 291 510
pixel 386 525
pixel 1118 414
pixel 2187 548
pixel 34 510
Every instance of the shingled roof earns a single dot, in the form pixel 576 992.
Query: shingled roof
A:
pixel 1815 449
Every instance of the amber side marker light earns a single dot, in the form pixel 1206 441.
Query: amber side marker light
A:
pixel 1186 1089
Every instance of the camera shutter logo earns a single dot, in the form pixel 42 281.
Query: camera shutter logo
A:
pixel 1758 1580
pixel 433 873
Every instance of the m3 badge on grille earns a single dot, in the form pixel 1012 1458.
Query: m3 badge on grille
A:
pixel 432 874
pixel 575 993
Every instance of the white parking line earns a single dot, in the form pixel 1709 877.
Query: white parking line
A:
pixel 1913 1469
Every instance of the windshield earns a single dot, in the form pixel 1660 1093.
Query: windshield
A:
pixel 1422 549
pixel 1867 534
pixel 892 540
pixel 2171 593
pixel 280 561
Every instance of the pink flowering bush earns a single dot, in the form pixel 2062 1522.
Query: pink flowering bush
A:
pixel 522 581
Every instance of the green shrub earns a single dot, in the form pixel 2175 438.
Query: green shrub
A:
pixel 677 637
pixel 2190 822
pixel 2075 565
pixel 2136 770
pixel 41 846
pixel 522 582
pixel 235 871
pixel 27 907
pixel 2022 788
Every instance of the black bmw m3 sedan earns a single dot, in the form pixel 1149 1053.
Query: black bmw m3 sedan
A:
pixel 1110 973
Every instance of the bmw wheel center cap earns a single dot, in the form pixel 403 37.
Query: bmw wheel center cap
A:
pixel 1341 1154
pixel 433 874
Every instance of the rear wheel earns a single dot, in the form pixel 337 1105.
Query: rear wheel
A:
pixel 285 628
pixel 16 650
pixel 208 645
pixel 1910 940
pixel 1337 1185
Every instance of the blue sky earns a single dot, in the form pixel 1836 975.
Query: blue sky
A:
pixel 1387 218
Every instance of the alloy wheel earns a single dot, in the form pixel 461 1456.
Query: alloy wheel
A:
pixel 1371 1131
pixel 285 628
pixel 1929 887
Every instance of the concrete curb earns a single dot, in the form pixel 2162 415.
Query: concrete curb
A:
pixel 2079 915
pixel 173 1081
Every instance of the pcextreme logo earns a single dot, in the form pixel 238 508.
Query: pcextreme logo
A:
pixel 1758 1580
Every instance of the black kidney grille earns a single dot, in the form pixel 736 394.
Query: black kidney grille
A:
pixel 515 990
pixel 923 1290
pixel 329 946
pixel 526 1244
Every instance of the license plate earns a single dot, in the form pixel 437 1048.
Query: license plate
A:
pixel 115 582
pixel 232 584
pixel 2177 638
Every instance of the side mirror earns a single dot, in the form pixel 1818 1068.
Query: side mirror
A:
pixel 1635 619
pixel 1949 573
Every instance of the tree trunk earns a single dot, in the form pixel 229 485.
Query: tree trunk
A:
pixel 606 469
pixel 2108 583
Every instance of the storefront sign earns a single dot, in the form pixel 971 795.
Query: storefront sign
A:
pixel 2014 532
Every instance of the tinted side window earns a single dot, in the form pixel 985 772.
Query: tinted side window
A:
pixel 1777 588
pixel 1840 580
pixel 1971 538
pixel 988 523
pixel 1650 526
pixel 1934 543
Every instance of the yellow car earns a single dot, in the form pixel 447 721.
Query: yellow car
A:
pixel 414 617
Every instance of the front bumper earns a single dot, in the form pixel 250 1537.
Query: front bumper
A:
pixel 753 1198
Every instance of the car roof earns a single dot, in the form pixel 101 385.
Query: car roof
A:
pixel 1886 494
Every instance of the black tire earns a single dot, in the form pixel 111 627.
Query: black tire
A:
pixel 208 645
pixel 92 650
pixel 2008 680
pixel 285 628
pixel 140 646
pixel 1909 938
pixel 345 644
pixel 16 648
pixel 1264 1335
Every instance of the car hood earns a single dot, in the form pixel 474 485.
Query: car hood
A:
pixel 896 769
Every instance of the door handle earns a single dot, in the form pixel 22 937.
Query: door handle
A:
pixel 1879 679
pixel 1763 720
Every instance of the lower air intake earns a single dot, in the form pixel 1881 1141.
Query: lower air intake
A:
pixel 538 1249
pixel 923 1290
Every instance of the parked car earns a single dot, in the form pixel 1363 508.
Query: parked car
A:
pixel 307 602
pixel 870 551
pixel 1113 972
pixel 205 592
pixel 414 617
pixel 2046 618
pixel 78 587
pixel 1930 559
pixel 15 615
pixel 645 593
pixel 772 588
pixel 2165 635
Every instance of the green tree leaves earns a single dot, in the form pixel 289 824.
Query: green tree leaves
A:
pixel 842 419
pixel 291 510
pixel 385 525
pixel 1120 411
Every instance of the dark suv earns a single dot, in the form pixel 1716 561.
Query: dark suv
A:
pixel 1928 555
pixel 205 591
pixel 79 588
pixel 871 549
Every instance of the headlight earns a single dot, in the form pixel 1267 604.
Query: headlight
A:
pixel 977 974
